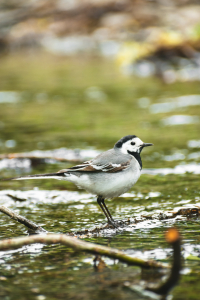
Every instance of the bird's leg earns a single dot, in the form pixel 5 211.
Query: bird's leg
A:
pixel 100 201
pixel 107 210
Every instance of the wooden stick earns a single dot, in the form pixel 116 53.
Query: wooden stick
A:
pixel 69 241
pixel 78 245
pixel 31 225
pixel 173 237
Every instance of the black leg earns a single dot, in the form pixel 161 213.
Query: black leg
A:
pixel 99 201
pixel 105 210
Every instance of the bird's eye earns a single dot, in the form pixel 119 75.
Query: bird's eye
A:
pixel 132 143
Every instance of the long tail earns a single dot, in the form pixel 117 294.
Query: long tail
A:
pixel 39 176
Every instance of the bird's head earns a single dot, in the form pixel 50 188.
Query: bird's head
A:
pixel 131 144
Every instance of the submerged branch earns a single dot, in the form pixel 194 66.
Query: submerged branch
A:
pixel 172 236
pixel 103 228
pixel 78 245
pixel 68 241
pixel 31 225
pixel 161 290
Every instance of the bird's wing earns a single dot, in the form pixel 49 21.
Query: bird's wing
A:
pixel 106 162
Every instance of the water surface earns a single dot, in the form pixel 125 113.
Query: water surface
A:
pixel 71 110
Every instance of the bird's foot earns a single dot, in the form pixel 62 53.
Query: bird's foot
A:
pixel 112 223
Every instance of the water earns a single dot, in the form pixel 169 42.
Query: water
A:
pixel 69 111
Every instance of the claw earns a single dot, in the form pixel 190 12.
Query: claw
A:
pixel 112 222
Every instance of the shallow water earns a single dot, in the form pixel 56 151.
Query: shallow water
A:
pixel 33 268
pixel 58 116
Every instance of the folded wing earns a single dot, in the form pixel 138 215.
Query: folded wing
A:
pixel 105 162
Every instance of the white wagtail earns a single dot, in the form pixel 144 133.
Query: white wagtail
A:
pixel 108 175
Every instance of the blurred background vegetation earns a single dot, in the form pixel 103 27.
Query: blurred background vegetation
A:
pixel 82 74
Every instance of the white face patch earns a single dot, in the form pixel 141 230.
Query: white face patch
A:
pixel 133 145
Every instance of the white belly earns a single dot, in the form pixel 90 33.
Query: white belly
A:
pixel 107 185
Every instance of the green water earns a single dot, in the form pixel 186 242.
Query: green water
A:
pixel 56 109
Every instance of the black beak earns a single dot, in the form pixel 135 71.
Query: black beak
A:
pixel 147 144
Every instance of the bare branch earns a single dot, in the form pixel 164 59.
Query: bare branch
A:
pixel 173 237
pixel 68 241
pixel 78 245
pixel 31 225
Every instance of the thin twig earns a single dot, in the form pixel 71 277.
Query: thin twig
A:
pixel 16 198
pixel 31 225
pixel 78 245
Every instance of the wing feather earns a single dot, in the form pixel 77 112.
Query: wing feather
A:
pixel 91 167
pixel 113 163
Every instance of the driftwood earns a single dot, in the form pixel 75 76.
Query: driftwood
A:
pixel 34 228
pixel 69 241
pixel 29 224
pixel 172 237
pixel 95 231
pixel 78 245
pixel 161 290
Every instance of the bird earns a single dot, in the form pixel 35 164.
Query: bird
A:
pixel 108 175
